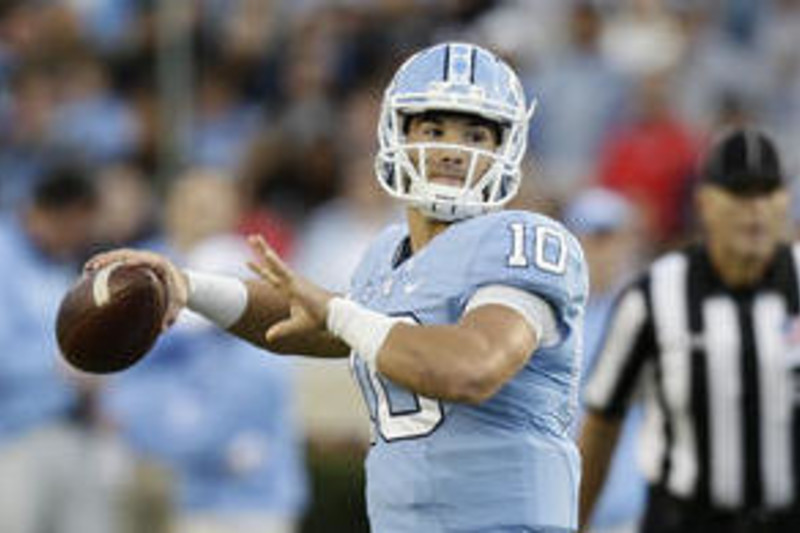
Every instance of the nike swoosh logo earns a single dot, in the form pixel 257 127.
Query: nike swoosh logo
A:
pixel 410 287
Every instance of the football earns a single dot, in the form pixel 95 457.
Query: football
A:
pixel 111 317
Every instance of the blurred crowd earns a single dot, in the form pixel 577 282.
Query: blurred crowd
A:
pixel 181 126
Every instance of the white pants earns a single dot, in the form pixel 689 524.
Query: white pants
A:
pixel 59 479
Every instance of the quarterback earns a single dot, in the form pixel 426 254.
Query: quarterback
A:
pixel 463 325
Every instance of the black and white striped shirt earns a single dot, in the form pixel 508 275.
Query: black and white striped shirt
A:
pixel 717 370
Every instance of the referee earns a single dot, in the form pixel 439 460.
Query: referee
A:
pixel 708 338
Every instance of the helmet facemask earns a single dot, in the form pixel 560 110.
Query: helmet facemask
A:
pixel 482 183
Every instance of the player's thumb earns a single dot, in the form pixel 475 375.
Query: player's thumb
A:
pixel 281 330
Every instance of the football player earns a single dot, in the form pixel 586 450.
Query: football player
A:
pixel 463 324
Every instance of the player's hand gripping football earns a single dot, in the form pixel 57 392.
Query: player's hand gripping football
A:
pixel 174 280
pixel 308 303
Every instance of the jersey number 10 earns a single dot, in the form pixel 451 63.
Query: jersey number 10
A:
pixel 549 248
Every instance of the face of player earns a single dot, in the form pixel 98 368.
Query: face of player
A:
pixel 746 227
pixel 450 165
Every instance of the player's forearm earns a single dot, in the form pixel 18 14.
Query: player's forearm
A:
pixel 465 362
pixel 446 362
pixel 597 441
pixel 263 306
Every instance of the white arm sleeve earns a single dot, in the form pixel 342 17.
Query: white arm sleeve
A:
pixel 221 299
pixel 535 310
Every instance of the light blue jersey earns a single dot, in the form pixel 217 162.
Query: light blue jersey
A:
pixel 507 464
pixel 33 390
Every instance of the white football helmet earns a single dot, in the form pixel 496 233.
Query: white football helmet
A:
pixel 455 78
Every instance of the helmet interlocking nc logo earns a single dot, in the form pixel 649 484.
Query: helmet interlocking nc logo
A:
pixel 453 78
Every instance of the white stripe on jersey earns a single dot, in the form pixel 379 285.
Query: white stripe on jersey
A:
pixel 629 316
pixel 652 442
pixel 769 313
pixel 724 356
pixel 669 290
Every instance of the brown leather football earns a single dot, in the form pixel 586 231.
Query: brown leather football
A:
pixel 111 317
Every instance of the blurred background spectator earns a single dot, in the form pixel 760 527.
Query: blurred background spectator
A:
pixel 279 98
pixel 60 469
pixel 650 158
pixel 216 413
pixel 582 96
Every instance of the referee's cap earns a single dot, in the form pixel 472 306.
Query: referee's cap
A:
pixel 745 162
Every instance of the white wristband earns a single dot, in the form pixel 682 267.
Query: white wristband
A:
pixel 361 328
pixel 221 299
